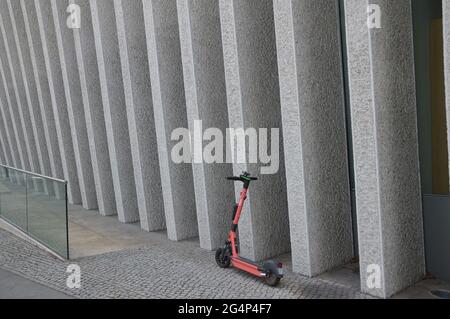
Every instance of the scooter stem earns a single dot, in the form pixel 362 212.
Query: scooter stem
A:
pixel 240 207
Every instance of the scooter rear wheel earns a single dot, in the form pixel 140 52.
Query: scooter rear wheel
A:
pixel 273 278
pixel 223 257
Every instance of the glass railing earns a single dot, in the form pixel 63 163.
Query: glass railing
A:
pixel 36 205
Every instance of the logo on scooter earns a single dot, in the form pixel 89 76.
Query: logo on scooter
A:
pixel 237 145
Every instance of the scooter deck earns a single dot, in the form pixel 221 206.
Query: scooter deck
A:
pixel 248 266
pixel 251 262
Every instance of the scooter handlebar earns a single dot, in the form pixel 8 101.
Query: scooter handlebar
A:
pixel 241 178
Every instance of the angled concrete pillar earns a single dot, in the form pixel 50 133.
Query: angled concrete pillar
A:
pixel 3 159
pixel 7 121
pixel 9 78
pixel 74 103
pixel 314 130
pixel 384 122
pixel 58 99
pixel 5 147
pixel 93 110
pixel 21 89
pixel 141 124
pixel 253 94
pixel 163 44
pixel 43 93
pixel 204 81
pixel 31 94
pixel 114 106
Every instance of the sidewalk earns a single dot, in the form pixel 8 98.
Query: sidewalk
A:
pixel 16 287
pixel 161 269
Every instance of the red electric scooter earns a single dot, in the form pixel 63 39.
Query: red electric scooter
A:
pixel 270 271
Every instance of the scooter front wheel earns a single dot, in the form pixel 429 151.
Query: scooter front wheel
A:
pixel 223 257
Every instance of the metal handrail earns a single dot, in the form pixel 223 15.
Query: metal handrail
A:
pixel 25 231
pixel 34 174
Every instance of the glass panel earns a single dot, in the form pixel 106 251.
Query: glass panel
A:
pixel 13 197
pixel 37 205
pixel 429 70
pixel 47 216
pixel 438 113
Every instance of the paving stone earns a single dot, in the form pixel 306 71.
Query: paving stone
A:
pixel 164 269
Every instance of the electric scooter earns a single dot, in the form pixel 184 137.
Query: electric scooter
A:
pixel 270 271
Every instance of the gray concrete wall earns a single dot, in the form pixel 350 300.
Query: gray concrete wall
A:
pixel 7 120
pixel 251 73
pixel 3 151
pixel 93 110
pixel 21 89
pixel 312 102
pixel 9 79
pixel 139 110
pixel 5 147
pixel 27 71
pixel 42 86
pixel 114 107
pixel 384 122
pixel 98 105
pixel 74 103
pixel 204 80
pixel 8 117
pixel 58 99
pixel 166 71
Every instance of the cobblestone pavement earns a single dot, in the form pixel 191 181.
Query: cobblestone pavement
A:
pixel 162 269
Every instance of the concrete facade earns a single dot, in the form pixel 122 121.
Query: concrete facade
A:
pixel 53 158
pixel 10 92
pixel 166 71
pixel 5 146
pixel 23 53
pixel 388 194
pixel 58 100
pixel 20 79
pixel 314 134
pixel 2 150
pixel 74 103
pixel 93 110
pixel 7 121
pixel 139 110
pixel 204 80
pixel 100 105
pixel 26 70
pixel 250 59
pixel 108 59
